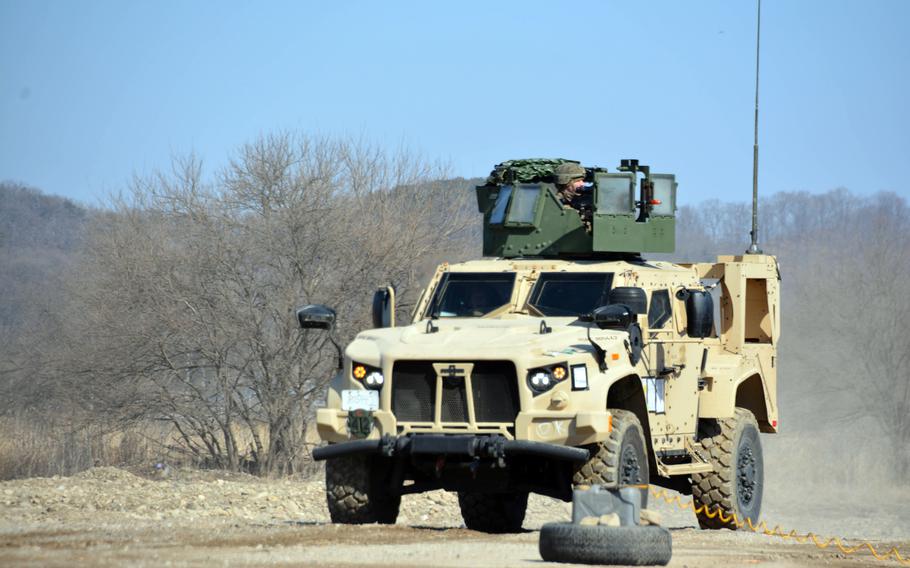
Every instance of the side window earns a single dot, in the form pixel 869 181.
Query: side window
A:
pixel 499 208
pixel 659 312
pixel 615 193
pixel 523 203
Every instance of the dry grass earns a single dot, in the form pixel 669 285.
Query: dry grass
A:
pixel 33 447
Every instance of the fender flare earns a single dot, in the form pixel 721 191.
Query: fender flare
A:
pixel 751 393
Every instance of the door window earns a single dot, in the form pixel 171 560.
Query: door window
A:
pixel 660 311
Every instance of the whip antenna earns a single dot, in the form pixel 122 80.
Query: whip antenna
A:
pixel 753 248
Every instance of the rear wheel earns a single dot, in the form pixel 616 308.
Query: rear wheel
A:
pixel 731 494
pixel 493 512
pixel 620 460
pixel 355 492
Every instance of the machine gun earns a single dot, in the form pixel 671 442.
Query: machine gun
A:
pixel 646 201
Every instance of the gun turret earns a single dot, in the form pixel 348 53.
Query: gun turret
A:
pixel 523 215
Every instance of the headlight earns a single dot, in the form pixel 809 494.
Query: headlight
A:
pixel 370 377
pixel 542 379
pixel 374 380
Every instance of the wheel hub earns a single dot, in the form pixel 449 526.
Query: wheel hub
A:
pixel 629 467
pixel 745 475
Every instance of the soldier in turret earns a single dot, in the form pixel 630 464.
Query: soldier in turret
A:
pixel 570 183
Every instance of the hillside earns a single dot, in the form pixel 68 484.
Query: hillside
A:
pixel 39 234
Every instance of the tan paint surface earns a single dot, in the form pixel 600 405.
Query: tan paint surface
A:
pixel 749 329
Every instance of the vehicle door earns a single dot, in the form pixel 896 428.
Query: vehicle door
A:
pixel 671 377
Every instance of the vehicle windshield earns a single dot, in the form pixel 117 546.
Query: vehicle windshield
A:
pixel 471 294
pixel 570 294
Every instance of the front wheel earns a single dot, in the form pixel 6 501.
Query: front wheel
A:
pixel 730 496
pixel 619 461
pixel 355 492
pixel 493 512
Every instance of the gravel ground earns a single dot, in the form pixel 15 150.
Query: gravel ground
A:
pixel 109 516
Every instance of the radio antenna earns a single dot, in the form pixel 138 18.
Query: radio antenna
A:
pixel 753 248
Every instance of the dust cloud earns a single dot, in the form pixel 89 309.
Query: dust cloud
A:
pixel 843 387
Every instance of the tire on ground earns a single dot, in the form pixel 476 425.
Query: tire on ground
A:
pixel 493 512
pixel 355 492
pixel 632 545
pixel 620 460
pixel 735 486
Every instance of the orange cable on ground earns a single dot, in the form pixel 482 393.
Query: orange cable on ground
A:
pixel 762 528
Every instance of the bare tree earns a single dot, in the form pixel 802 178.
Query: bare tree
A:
pixel 188 289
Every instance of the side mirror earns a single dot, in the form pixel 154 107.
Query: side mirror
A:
pixel 613 316
pixel 631 296
pixel 620 317
pixel 384 307
pixel 699 313
pixel 316 316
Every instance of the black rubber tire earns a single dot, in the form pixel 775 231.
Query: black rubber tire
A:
pixel 493 512
pixel 737 482
pixel 628 546
pixel 620 460
pixel 355 493
pixel 630 296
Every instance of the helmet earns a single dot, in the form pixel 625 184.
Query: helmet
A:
pixel 569 171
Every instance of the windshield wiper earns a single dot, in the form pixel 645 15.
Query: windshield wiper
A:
pixel 434 307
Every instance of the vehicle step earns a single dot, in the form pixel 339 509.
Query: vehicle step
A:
pixel 683 468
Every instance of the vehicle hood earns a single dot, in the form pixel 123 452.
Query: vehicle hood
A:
pixel 493 338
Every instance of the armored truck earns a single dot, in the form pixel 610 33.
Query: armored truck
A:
pixel 562 358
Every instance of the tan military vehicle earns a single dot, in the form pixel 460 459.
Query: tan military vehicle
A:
pixel 582 365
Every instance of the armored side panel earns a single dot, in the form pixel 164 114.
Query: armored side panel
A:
pixel 527 219
pixel 617 226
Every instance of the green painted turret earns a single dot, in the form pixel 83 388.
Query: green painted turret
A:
pixel 523 215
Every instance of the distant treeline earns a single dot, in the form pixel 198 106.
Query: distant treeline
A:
pixel 173 305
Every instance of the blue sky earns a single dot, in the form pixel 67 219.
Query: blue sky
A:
pixel 92 92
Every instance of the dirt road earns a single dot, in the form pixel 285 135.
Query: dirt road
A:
pixel 108 517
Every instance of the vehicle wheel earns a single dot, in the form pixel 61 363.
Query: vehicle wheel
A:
pixel 620 460
pixel 735 486
pixel 355 493
pixel 493 512
pixel 635 546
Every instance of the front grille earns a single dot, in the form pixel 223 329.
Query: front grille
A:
pixel 413 391
pixel 454 401
pixel 494 391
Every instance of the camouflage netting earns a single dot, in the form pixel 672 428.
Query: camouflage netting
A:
pixel 525 171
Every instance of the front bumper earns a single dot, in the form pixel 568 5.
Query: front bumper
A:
pixel 553 427
pixel 495 447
